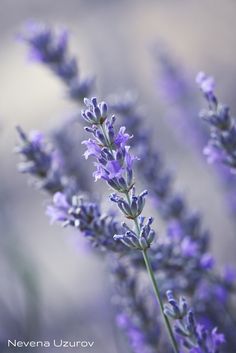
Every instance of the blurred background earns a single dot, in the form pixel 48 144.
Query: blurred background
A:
pixel 52 285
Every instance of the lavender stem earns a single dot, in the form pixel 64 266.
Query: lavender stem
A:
pixel 159 300
pixel 155 286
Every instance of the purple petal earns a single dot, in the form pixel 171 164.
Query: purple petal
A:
pixel 122 137
pixel 59 200
pixel 92 148
pixel 189 248
pixel 114 168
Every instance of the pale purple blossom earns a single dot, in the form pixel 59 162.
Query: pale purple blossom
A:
pixel 221 146
pixel 58 210
pixel 206 83
pixel 189 247
pixel 92 148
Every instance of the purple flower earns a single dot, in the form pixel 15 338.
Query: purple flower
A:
pixel 40 160
pixel 221 146
pixel 213 153
pixel 129 158
pixel 58 211
pixel 174 230
pixel 207 261
pixel 122 137
pixel 45 46
pixel 59 200
pixel 188 247
pixel 92 149
pixel 229 275
pixel 100 173
pixel 217 338
pixel 221 293
pixel 50 47
pixel 36 138
pixel 114 169
pixel 206 83
pixel 86 216
pixel 56 214
pixel 193 336
pixel 114 162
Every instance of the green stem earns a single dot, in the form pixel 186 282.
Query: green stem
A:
pixel 155 287
pixel 159 300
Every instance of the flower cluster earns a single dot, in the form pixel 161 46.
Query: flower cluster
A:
pixel 141 241
pixel 133 209
pixel 51 48
pixel 86 216
pixel 221 146
pixel 114 161
pixel 114 164
pixel 40 160
pixel 193 336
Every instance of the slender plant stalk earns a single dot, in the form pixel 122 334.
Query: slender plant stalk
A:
pixel 155 288
pixel 159 300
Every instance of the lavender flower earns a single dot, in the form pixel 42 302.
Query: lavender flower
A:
pixel 114 164
pixel 51 48
pixel 40 160
pixel 132 240
pixel 221 146
pixel 177 92
pixel 193 336
pixel 207 84
pixel 86 216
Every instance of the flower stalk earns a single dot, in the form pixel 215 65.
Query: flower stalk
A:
pixel 159 300
pixel 156 289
